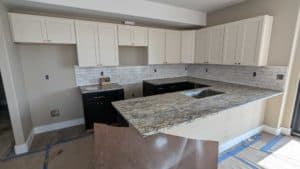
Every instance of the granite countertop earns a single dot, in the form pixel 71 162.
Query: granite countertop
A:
pixel 150 115
pixel 98 88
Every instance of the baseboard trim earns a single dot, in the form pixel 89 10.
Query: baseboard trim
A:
pixel 24 148
pixel 271 130
pixel 277 131
pixel 57 126
pixel 286 131
pixel 228 144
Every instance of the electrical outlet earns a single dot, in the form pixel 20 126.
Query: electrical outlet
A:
pixel 54 113
pixel 279 76
pixel 46 77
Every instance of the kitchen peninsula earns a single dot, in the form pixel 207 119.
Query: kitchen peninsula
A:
pixel 181 113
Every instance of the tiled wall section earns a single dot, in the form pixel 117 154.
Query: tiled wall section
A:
pixel 266 77
pixel 128 75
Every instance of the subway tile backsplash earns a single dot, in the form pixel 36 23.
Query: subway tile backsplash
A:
pixel 128 74
pixel 264 77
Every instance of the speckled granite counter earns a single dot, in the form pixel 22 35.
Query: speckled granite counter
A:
pixel 98 88
pixel 149 115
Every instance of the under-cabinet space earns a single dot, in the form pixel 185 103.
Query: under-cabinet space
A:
pixel 133 56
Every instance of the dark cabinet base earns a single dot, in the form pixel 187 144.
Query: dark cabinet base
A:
pixel 98 108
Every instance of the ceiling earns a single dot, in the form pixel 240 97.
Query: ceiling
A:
pixel 200 5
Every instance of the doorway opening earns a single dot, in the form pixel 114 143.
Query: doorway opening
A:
pixel 6 133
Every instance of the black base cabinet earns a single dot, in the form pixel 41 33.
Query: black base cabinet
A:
pixel 98 108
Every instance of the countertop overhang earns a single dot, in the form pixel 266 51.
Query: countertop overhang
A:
pixel 150 115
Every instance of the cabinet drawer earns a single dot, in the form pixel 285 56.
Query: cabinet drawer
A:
pixel 107 96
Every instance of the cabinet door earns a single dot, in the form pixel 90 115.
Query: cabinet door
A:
pixel 28 28
pixel 125 35
pixel 173 46
pixel 231 43
pixel 87 43
pixel 156 49
pixel 60 30
pixel 216 45
pixel 140 36
pixel 108 44
pixel 250 34
pixel 202 46
pixel 188 46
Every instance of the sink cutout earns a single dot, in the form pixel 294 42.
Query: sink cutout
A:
pixel 202 93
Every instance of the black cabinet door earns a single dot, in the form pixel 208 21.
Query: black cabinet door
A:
pixel 98 107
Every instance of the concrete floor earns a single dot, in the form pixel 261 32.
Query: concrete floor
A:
pixel 70 148
pixel 73 148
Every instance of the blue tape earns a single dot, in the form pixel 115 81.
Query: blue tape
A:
pixel 270 144
pixel 241 147
pixel 246 162
pixel 45 166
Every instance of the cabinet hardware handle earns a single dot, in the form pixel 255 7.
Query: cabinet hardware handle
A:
pixel 99 97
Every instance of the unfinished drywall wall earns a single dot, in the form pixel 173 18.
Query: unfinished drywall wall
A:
pixel 59 91
pixel 285 15
pixel 13 80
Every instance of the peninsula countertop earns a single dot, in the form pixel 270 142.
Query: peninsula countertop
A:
pixel 149 115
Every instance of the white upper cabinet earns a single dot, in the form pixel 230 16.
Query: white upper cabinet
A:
pixel 231 43
pixel 156 48
pixel 173 46
pixel 87 43
pixel 108 44
pixel 125 35
pixel 27 28
pixel 216 45
pixel 97 44
pixel 209 45
pixel 188 46
pixel 202 50
pixel 41 29
pixel 140 36
pixel 247 41
pixel 132 35
pixel 60 30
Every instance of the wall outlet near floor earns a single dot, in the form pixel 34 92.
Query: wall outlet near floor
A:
pixel 54 113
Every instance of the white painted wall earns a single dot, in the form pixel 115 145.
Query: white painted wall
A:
pixel 11 68
pixel 228 124
pixel 60 91
pixel 139 9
